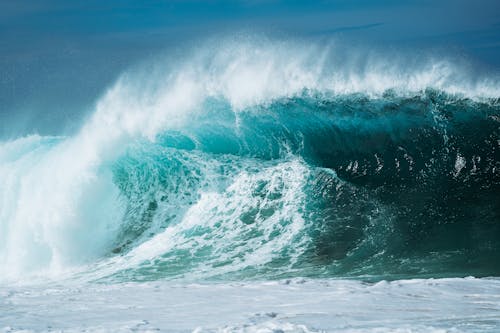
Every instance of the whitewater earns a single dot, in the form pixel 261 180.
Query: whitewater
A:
pixel 260 185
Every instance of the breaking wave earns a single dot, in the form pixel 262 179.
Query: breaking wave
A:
pixel 260 160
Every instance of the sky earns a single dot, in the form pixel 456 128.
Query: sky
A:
pixel 57 57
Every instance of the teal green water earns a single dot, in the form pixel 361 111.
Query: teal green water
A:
pixel 317 186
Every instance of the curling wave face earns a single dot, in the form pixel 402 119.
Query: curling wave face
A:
pixel 263 160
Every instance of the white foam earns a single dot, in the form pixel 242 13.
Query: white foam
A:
pixel 411 306
pixel 276 223
pixel 56 208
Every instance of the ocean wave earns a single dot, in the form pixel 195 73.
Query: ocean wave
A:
pixel 264 159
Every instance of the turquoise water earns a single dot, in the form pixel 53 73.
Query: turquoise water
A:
pixel 345 186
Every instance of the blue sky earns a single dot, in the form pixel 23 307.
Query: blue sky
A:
pixel 57 57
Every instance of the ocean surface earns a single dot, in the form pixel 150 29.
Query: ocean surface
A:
pixel 261 187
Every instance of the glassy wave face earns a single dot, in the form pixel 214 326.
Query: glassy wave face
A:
pixel 255 162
